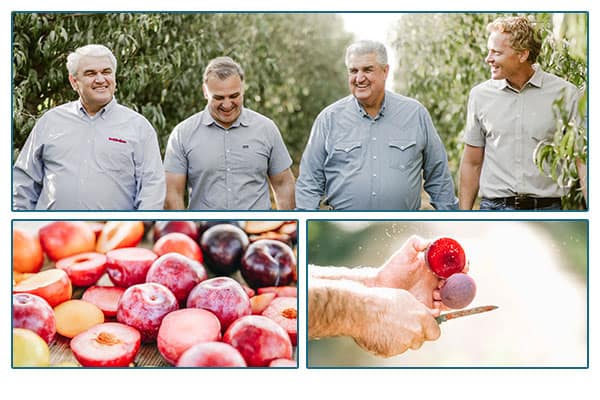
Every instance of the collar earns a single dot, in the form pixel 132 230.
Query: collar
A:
pixel 104 111
pixel 364 114
pixel 243 120
pixel 536 80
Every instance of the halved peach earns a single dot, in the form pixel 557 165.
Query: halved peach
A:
pixel 53 285
pixel 118 234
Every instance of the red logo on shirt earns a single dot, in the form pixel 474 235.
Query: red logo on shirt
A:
pixel 114 139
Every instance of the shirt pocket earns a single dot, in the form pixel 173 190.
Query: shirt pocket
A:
pixel 347 152
pixel 114 156
pixel 402 153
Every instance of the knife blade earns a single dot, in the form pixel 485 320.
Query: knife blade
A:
pixel 464 313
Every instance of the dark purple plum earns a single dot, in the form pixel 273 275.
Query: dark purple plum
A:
pixel 223 246
pixel 268 263
pixel 458 291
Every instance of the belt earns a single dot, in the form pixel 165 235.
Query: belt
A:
pixel 522 202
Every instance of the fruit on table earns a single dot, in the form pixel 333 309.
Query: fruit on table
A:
pixel 178 273
pixel 34 313
pixel 144 306
pixel 176 242
pixel 223 296
pixel 223 246
pixel 29 349
pixel 445 256
pixel 27 255
pixel 284 311
pixel 268 262
pixel 259 339
pixel 129 266
pixel 106 298
pixel 62 239
pixel 189 228
pixel 259 302
pixel 184 328
pixel 119 234
pixel 110 344
pixel 84 269
pixel 53 285
pixel 76 316
pixel 458 291
pixel 211 354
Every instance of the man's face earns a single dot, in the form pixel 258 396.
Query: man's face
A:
pixel 504 61
pixel 366 79
pixel 95 83
pixel 225 98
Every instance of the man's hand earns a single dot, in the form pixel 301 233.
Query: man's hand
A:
pixel 406 269
pixel 393 321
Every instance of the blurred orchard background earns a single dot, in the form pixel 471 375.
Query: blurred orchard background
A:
pixel 534 271
pixel 294 66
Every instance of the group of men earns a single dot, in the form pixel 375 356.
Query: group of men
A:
pixel 372 150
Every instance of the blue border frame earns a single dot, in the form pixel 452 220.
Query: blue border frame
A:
pixel 296 348
pixel 587 365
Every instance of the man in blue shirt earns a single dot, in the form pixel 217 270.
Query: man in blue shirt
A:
pixel 372 150
pixel 93 153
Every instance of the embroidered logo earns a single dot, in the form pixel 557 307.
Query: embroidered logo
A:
pixel 114 139
pixel 245 146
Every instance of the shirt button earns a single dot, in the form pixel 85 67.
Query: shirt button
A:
pixel 229 189
pixel 374 157
pixel 228 150
pixel 373 194
pixel 374 175
pixel 374 138
pixel 228 169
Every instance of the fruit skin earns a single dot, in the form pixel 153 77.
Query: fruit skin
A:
pixel 62 239
pixel 129 266
pixel 144 306
pixel 53 285
pixel 283 362
pixel 268 262
pixel 83 269
pixel 211 354
pixel 27 255
pixel 284 311
pixel 458 291
pixel 184 328
pixel 280 291
pixel 178 273
pixel 261 301
pixel 445 256
pixel 189 228
pixel 119 234
pixel 223 296
pixel 34 313
pixel 29 349
pixel 110 344
pixel 223 246
pixel 176 242
pixel 106 298
pixel 76 316
pixel 259 339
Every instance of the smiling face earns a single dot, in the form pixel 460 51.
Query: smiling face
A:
pixel 94 82
pixel 366 79
pixel 225 98
pixel 505 62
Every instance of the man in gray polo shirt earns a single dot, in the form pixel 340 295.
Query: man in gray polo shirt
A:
pixel 507 117
pixel 93 153
pixel 226 155
pixel 373 149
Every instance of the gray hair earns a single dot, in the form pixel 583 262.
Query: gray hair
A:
pixel 223 68
pixel 367 47
pixel 90 50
